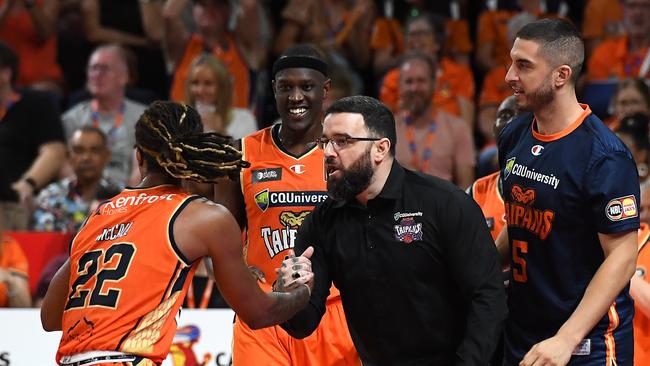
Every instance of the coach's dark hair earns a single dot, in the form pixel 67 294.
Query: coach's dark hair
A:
pixel 378 118
pixel 171 138
pixel 560 43
pixel 9 59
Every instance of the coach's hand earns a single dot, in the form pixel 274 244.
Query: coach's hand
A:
pixel 295 271
pixel 554 351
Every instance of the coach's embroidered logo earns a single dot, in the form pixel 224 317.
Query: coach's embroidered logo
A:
pixel 509 164
pixel 408 230
pixel 621 208
pixel 266 175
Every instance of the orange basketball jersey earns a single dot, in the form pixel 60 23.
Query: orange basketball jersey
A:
pixel 279 191
pixel 486 191
pixel 127 276
pixel 642 321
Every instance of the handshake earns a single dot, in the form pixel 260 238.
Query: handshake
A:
pixel 293 273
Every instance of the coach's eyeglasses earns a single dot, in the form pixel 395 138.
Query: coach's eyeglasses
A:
pixel 340 142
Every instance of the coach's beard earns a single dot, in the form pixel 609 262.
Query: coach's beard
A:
pixel 352 181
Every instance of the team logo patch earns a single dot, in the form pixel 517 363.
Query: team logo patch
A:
pixel 640 272
pixel 523 195
pixel 408 230
pixel 262 199
pixel 509 164
pixel 536 150
pixel 298 168
pixel 266 175
pixel 621 208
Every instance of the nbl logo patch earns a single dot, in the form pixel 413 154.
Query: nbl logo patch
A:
pixel 621 208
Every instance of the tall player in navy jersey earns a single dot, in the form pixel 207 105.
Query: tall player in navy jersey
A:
pixel 571 196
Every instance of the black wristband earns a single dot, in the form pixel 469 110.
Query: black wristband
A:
pixel 31 182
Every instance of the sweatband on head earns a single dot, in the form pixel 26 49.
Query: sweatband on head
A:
pixel 294 62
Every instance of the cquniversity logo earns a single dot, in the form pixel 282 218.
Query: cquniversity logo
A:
pixel 509 165
pixel 262 199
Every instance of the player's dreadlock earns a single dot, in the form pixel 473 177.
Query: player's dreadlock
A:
pixel 171 138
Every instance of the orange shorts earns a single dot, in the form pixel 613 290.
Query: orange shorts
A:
pixel 329 345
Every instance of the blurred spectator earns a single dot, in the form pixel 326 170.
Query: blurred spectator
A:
pixel 31 143
pixel 629 55
pixel 436 142
pixel 343 83
pixel 14 284
pixel 343 26
pixel 633 131
pixel 209 90
pixel 495 89
pixel 243 50
pixel 640 290
pixel 631 96
pixel 63 205
pixel 454 82
pixel 47 274
pixel 29 28
pixel 109 110
pixel 601 21
pixel 488 160
pixel 133 24
pixel 492 41
pixel 644 206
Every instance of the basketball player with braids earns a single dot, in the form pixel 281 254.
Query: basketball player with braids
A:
pixel 132 262
pixel 283 185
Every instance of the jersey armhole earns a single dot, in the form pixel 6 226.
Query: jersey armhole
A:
pixel 170 229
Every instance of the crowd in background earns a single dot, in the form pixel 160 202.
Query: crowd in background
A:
pixel 75 75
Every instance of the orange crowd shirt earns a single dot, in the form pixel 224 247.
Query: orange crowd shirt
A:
pixel 487 193
pixel 641 320
pixel 611 59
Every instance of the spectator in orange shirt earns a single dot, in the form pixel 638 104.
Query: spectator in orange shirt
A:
pixel 601 21
pixel 243 50
pixel 631 96
pixel 454 82
pixel 629 55
pixel 14 287
pixel 29 28
pixel 437 143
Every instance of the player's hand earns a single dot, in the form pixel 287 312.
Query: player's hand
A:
pixel 295 271
pixel 554 351
pixel 257 273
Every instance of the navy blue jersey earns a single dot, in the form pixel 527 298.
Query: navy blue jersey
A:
pixel 560 191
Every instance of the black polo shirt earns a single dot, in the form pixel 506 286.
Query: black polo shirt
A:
pixel 417 269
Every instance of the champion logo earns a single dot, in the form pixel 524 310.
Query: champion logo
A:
pixel 536 150
pixel 298 168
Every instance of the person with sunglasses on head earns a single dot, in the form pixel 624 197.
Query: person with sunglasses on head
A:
pixel 284 183
pixel 418 272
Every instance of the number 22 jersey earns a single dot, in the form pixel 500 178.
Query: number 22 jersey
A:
pixel 560 191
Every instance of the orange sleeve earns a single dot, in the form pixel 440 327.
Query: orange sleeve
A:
pixel 380 38
pixel 598 15
pixel 458 36
pixel 389 92
pixel 464 82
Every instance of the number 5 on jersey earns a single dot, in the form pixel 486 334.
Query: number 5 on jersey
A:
pixel 101 265
pixel 519 248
